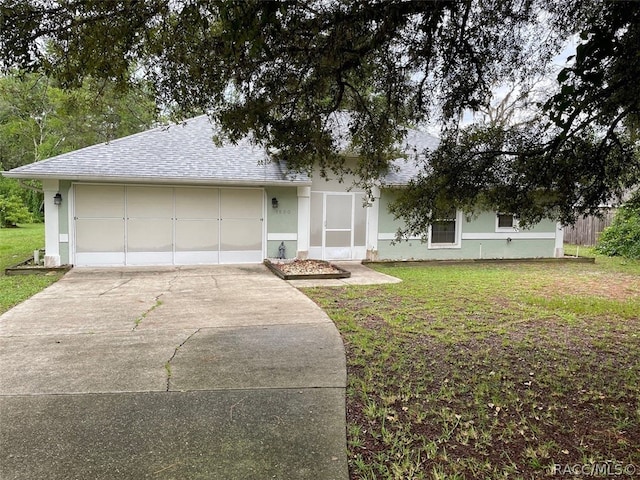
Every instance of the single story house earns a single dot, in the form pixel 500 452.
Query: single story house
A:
pixel 170 196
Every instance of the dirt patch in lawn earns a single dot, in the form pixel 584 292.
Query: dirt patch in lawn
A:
pixel 604 285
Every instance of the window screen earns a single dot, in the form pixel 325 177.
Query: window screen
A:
pixel 443 230
pixel 505 220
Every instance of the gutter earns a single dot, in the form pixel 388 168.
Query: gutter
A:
pixel 159 180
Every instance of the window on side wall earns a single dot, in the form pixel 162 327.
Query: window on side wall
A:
pixel 506 221
pixel 444 231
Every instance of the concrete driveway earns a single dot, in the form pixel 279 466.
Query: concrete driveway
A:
pixel 180 373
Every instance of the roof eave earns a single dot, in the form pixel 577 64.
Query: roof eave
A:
pixel 157 180
pixel 393 184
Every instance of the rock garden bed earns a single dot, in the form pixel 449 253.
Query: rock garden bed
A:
pixel 305 269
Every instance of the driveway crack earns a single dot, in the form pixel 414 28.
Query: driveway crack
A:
pixel 171 282
pixel 148 311
pixel 116 287
pixel 167 365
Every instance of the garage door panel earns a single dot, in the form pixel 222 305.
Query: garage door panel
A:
pixel 149 202
pixel 197 203
pixel 197 235
pixel 241 235
pixel 150 258
pixel 99 235
pixel 145 225
pixel 101 259
pixel 99 201
pixel 149 235
pixel 237 203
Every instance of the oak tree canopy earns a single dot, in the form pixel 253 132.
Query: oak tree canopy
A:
pixel 278 70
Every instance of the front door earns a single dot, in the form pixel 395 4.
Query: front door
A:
pixel 338 226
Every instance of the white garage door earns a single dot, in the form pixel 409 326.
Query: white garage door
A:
pixel 139 225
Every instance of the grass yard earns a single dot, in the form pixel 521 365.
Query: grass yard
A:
pixel 492 371
pixel 16 245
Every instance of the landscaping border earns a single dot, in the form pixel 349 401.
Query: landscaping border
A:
pixel 23 268
pixel 311 276
pixel 398 263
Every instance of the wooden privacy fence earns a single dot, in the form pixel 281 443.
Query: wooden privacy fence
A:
pixel 586 231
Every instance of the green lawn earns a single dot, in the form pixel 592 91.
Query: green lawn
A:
pixel 16 245
pixel 492 371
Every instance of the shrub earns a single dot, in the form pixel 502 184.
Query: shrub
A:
pixel 13 211
pixel 622 238
pixel 30 197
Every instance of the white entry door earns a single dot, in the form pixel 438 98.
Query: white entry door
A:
pixel 338 226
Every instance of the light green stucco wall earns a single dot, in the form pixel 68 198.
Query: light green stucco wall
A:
pixel 486 222
pixel 283 220
pixel 386 222
pixel 470 249
pixel 332 183
pixel 482 223
pixel 289 245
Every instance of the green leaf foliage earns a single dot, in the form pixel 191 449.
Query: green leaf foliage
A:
pixel 280 70
pixel 622 238
pixel 39 119
pixel 13 211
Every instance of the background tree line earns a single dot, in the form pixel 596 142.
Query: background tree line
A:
pixel 40 119
pixel 280 70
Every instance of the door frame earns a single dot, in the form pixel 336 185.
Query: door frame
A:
pixel 353 252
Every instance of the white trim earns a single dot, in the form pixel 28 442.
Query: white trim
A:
pixel 373 215
pixel 458 242
pixel 512 235
pixel 278 237
pixel 559 247
pixel 52 223
pixel 63 237
pixel 102 259
pixel 71 211
pixel 149 258
pixel 304 222
pixel 241 256
pixel 196 258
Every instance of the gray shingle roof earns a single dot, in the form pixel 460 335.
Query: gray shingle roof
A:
pixel 182 153
pixel 404 169
pixel 185 153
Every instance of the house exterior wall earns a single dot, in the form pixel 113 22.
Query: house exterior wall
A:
pixel 480 237
pixel 282 222
pixel 332 183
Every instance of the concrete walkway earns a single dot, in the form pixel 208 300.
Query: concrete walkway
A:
pixel 360 275
pixel 179 373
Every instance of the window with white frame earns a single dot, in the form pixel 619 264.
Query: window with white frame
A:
pixel 506 222
pixel 444 232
